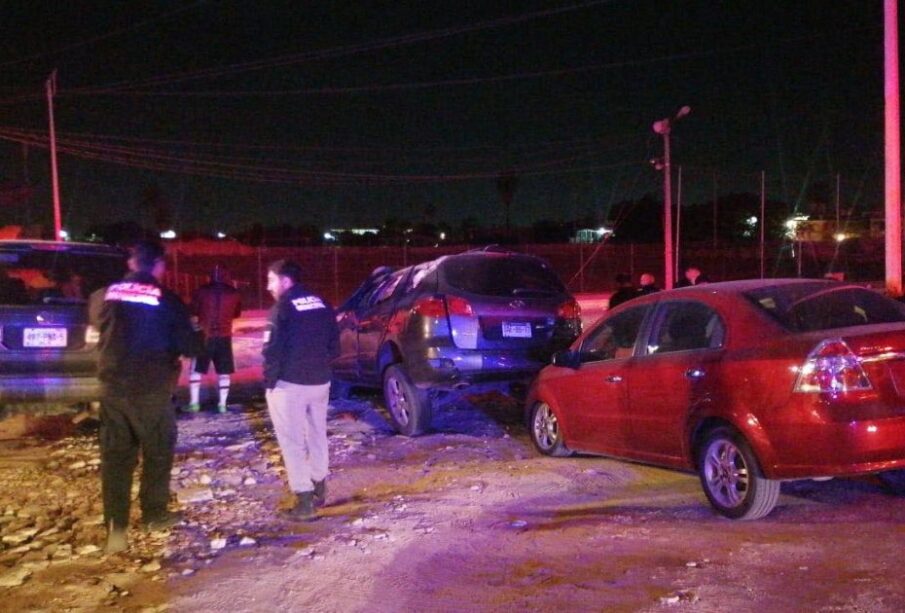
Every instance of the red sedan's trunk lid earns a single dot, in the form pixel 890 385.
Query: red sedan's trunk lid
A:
pixel 881 351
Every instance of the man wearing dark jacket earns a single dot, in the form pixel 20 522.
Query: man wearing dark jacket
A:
pixel 300 341
pixel 144 328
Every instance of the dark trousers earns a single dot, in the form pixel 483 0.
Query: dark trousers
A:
pixel 143 421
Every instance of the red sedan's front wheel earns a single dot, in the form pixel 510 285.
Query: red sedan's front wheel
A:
pixel 545 432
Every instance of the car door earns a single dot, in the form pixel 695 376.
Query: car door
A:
pixel 372 320
pixel 345 366
pixel 594 397
pixel 674 372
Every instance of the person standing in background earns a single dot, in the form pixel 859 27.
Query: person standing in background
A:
pixel 215 305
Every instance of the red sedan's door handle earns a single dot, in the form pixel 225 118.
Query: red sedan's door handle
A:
pixel 695 373
pixel 614 379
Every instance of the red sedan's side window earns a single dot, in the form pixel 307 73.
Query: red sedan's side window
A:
pixel 686 326
pixel 614 337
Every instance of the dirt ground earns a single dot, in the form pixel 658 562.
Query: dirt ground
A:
pixel 467 518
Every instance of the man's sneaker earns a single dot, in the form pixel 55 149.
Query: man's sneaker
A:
pixel 193 408
pixel 162 522
pixel 116 541
pixel 303 509
pixel 320 493
pixel 221 408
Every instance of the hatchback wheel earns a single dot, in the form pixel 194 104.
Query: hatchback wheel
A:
pixel 732 479
pixel 545 432
pixel 409 406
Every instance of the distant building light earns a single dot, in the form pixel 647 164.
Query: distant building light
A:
pixel 356 231
pixel 64 235
pixel 221 235
pixel 603 231
pixel 168 234
pixel 751 221
pixel 840 236
pixel 329 237
pixel 443 236
pixel 792 225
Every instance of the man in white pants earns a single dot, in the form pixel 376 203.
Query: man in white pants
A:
pixel 301 339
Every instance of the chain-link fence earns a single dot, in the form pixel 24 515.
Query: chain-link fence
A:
pixel 334 272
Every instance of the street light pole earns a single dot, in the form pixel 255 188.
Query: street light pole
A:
pixel 51 87
pixel 663 127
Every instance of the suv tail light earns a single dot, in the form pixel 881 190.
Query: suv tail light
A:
pixel 569 310
pixel 439 306
pixel 833 368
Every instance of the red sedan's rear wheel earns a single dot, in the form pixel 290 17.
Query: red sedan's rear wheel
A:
pixel 731 477
pixel 545 432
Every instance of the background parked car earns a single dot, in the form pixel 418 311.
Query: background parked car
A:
pixel 747 382
pixel 47 350
pixel 484 315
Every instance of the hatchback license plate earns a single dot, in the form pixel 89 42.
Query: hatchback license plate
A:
pixel 44 337
pixel 516 330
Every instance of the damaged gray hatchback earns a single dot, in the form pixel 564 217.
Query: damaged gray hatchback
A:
pixel 479 316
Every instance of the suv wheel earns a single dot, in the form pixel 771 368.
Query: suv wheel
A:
pixel 409 407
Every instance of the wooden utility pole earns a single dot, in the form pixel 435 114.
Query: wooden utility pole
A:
pixel 893 150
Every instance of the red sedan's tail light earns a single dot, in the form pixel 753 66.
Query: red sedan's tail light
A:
pixel 438 306
pixel 832 367
pixel 569 310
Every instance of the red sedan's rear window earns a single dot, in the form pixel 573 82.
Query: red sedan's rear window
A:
pixel 805 306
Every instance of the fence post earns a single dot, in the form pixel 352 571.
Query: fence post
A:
pixel 581 267
pixel 336 275
pixel 260 288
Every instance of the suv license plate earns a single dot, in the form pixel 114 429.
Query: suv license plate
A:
pixel 44 337
pixel 516 330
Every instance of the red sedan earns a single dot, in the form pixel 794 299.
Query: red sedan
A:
pixel 748 383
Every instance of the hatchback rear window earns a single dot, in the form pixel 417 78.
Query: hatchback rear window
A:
pixel 501 276
pixel 55 276
pixel 802 307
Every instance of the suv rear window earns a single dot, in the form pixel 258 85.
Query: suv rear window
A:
pixel 506 276
pixel 55 275
pixel 802 307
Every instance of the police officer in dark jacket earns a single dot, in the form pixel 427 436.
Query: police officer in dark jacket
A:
pixel 144 328
pixel 301 340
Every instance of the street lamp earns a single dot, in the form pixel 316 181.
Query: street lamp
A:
pixel 663 127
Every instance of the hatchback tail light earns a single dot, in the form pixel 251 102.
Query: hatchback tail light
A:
pixel 439 306
pixel 832 367
pixel 569 310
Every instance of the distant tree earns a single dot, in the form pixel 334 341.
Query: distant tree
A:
pixel 157 207
pixel 506 185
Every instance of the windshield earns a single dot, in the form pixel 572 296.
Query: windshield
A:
pixel 55 276
pixel 802 307
pixel 501 276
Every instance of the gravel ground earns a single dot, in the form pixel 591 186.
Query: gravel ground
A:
pixel 465 518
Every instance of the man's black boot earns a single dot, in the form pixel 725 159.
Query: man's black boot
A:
pixel 320 493
pixel 303 509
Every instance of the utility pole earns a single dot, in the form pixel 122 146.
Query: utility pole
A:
pixel 893 238
pixel 51 86
pixel 663 127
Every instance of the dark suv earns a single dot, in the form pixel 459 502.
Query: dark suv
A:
pixel 478 316
pixel 47 350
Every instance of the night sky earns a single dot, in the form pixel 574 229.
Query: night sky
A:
pixel 348 113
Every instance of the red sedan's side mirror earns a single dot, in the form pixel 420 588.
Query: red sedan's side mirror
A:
pixel 567 359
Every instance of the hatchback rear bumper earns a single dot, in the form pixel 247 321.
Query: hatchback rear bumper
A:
pixel 49 388
pixel 452 368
